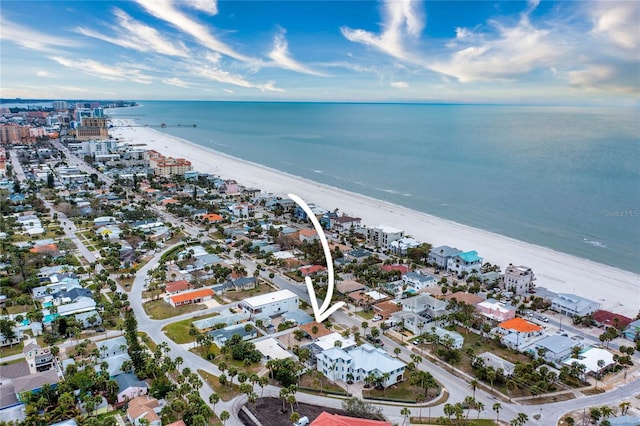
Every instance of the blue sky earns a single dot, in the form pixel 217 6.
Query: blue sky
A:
pixel 566 52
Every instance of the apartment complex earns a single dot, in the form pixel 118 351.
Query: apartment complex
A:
pixel 382 235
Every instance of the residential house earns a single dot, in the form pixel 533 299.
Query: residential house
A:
pixel 26 385
pixel 465 263
pixel 229 187
pixel 413 322
pixel 311 270
pixel 130 387
pixel 382 235
pixel 611 319
pixel 328 419
pixel 38 359
pixel 386 309
pixel 271 349
pixel 518 279
pixel 4 341
pixel 176 287
pixel 448 337
pixel 349 286
pixel 425 303
pixel 357 255
pixel 344 223
pixel 220 336
pixel 308 235
pixel 212 218
pixel 439 256
pixel 112 347
pixel 490 359
pixel 590 358
pixel 337 364
pixel 418 281
pixel 464 297
pixel 495 310
pixel 269 304
pixel 401 246
pixel 632 331
pixel 82 304
pixel 88 319
pixel 573 305
pixel 144 407
pixel 517 332
pixel 228 319
pixel 195 296
pixel 553 348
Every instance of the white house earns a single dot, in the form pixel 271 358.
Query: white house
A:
pixel 358 363
pixel 590 358
pixel 130 387
pixel 264 305
pixel 468 262
pixel 382 236
pixel 495 310
pixel 518 279
pixel 418 281
pixel 424 302
pixel 572 305
pixel 400 247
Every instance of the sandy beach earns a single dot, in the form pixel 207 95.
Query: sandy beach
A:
pixel 615 289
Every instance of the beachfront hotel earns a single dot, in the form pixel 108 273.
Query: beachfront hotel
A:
pixel 166 166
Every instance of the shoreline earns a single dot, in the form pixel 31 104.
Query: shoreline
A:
pixel 556 271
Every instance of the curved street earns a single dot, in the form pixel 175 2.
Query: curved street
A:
pixel 457 387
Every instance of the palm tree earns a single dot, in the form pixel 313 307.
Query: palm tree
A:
pixel 420 398
pixel 497 407
pixel 480 408
pixel 214 398
pixel 397 351
pixel 405 412
pixel 473 384
pixel 224 416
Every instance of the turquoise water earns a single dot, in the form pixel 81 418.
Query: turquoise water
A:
pixel 559 177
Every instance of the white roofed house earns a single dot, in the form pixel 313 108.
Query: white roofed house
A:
pixel 358 363
pixel 595 360
pixel 495 310
pixel 269 304
pixel 401 246
pixel 518 279
pixel 418 281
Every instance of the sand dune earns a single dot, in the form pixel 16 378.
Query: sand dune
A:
pixel 615 289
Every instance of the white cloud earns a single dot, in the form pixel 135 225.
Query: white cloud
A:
pixel 228 91
pixel 175 81
pixel 400 84
pixel 107 72
pixel 402 19
pixel 619 22
pixel 514 51
pixel 133 34
pixel 165 10
pixel 281 56
pixel 43 73
pixel 221 76
pixel 32 39
pixel 207 6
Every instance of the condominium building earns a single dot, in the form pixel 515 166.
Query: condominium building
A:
pixel 518 279
pixel 382 235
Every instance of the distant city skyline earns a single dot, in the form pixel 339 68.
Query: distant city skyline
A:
pixel 555 52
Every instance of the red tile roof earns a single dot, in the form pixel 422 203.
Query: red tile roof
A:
pixel 402 268
pixel 196 294
pixel 521 325
pixel 212 217
pixel 311 269
pixel 606 318
pixel 180 285
pixel 326 419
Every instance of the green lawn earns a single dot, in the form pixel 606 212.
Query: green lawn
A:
pixel 315 380
pixel 435 420
pixel 236 296
pixel 402 391
pixel 226 392
pixel 159 309
pixel 8 351
pixel 179 331
pixel 366 315
pixel 147 340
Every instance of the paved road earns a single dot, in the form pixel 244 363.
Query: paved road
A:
pixel 457 387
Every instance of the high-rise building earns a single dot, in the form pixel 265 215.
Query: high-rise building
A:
pixel 59 105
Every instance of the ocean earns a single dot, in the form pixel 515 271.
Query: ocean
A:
pixel 567 178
